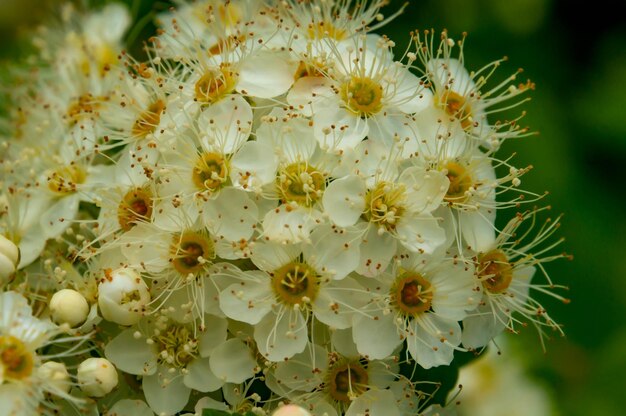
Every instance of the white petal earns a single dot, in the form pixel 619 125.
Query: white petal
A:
pixel 338 128
pixel 214 334
pixel 127 407
pixel 332 250
pixel 337 302
pixel 374 402
pixel 281 336
pixel 376 337
pixel 432 340
pixel 271 256
pixel 266 75
pixel 131 355
pixel 227 124
pixel 307 91
pixel 420 233
pixel 233 215
pixel 165 398
pixel 482 326
pixel 289 223
pixel 478 229
pixel 302 371
pixel 232 361
pixel 425 189
pixel 344 200
pixel 409 95
pixel 200 377
pixel 246 301
pixel 376 252
pixel 253 166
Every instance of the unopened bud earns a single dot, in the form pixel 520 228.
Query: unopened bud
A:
pixel 9 259
pixel 291 410
pixel 96 377
pixel 56 375
pixel 69 307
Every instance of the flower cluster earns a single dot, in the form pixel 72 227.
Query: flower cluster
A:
pixel 273 207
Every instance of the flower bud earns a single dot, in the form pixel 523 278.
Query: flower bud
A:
pixel 9 259
pixel 291 410
pixel 69 307
pixel 56 375
pixel 97 377
pixel 123 296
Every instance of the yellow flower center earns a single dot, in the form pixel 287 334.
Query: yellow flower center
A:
pixel 176 345
pixel 189 251
pixel 210 172
pixel 362 95
pixel 64 179
pixel 460 182
pixel 384 205
pixel 300 183
pixel 17 361
pixel 295 283
pixel 215 84
pixel 310 69
pixel 136 206
pixel 457 106
pixel 495 271
pixel 411 294
pixel 325 29
pixel 149 120
pixel 347 380
pixel 84 106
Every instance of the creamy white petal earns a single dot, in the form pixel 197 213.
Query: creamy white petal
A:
pixel 420 232
pixel 200 377
pixel 132 355
pixel 344 200
pixel 165 398
pixel 248 301
pixel 266 74
pixel 253 166
pixel 425 189
pixel 376 252
pixel 214 334
pixel 227 123
pixel 333 251
pixel 233 215
pixel 374 402
pixel 290 224
pixel 281 336
pixel 376 337
pixel 478 229
pixel 232 361
pixel 431 340
pixel 303 371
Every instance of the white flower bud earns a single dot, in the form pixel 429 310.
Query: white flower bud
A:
pixel 97 377
pixel 291 410
pixel 56 375
pixel 122 296
pixel 9 259
pixel 69 307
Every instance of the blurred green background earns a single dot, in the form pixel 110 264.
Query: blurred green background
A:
pixel 577 58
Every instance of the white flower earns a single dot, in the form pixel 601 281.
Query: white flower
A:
pixel 175 358
pixel 293 284
pixel 504 273
pixel 389 207
pixel 419 303
pixel 364 92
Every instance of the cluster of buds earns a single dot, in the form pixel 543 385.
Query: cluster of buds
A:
pixel 272 213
